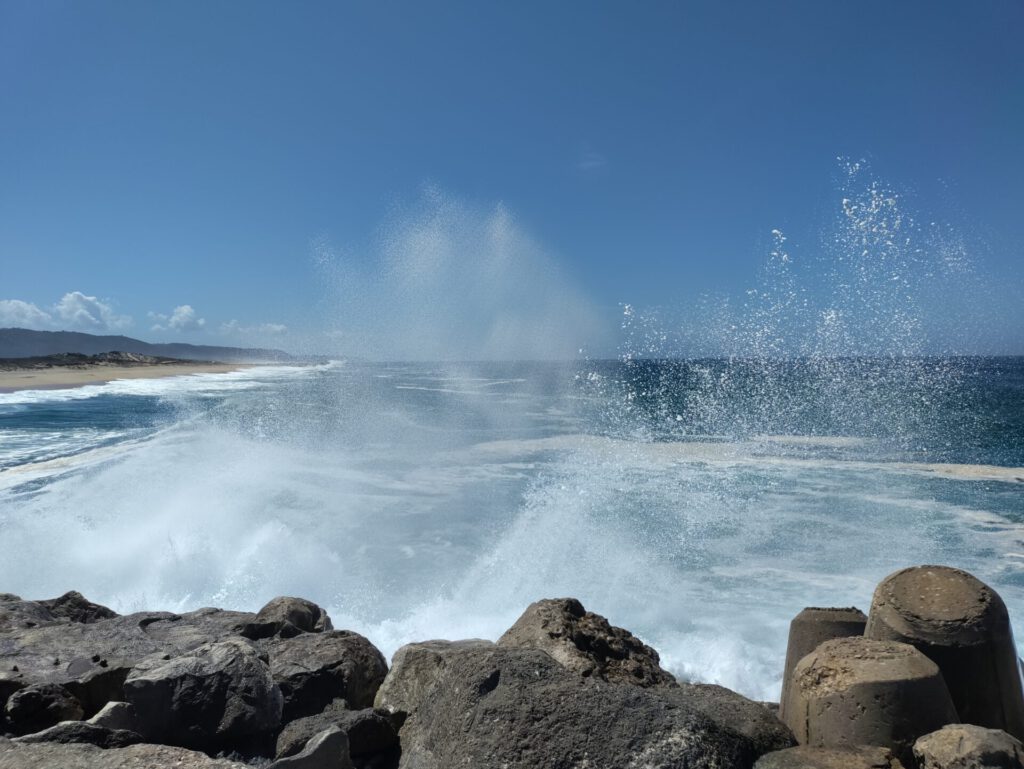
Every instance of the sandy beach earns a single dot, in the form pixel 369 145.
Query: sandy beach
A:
pixel 58 377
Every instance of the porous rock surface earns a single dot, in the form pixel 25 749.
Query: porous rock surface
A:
pixel 220 695
pixel 804 757
pixel 80 756
pixel 963 746
pixel 313 669
pixel 586 643
pixel 519 708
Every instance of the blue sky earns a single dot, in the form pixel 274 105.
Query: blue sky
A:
pixel 331 176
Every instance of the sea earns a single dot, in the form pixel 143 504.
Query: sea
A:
pixel 700 503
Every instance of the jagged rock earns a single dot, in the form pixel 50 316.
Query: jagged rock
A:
pixel 520 709
pixel 963 746
pixel 286 617
pixel 116 715
pixel 586 643
pixel 75 607
pixel 79 756
pixel 372 737
pixel 749 718
pixel 415 668
pixel 327 750
pixel 804 757
pixel 92 659
pixel 81 731
pixel 18 613
pixel 220 695
pixel 313 669
pixel 40 706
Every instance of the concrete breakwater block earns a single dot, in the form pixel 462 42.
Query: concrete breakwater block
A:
pixel 859 691
pixel 814 626
pixel 962 625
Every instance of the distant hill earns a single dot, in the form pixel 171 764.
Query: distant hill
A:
pixel 25 343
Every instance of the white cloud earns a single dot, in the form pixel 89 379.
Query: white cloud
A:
pixel 182 318
pixel 591 161
pixel 18 314
pixel 234 327
pixel 89 313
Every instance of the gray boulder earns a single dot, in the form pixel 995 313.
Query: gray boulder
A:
pixel 18 613
pixel 220 695
pixel 326 750
pixel 415 668
pixel 518 708
pixel 39 707
pixel 80 756
pixel 963 746
pixel 75 607
pixel 116 715
pixel 804 757
pixel 586 643
pixel 286 617
pixel 314 669
pixel 372 737
pixel 81 731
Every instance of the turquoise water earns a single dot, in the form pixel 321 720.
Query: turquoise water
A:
pixel 701 504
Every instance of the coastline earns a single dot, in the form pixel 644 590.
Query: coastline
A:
pixel 62 377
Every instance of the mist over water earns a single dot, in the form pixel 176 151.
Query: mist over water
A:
pixel 700 503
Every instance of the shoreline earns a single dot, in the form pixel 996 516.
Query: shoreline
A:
pixel 67 377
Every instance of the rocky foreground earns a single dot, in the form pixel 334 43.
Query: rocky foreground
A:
pixel 82 687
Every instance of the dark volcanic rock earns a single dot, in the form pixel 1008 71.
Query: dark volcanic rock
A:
pixel 40 706
pixel 415 668
pixel 17 613
pixel 963 746
pixel 313 669
pixel 49 755
pixel 326 750
pixel 75 607
pixel 81 731
pixel 372 738
pixel 218 696
pixel 520 709
pixel 586 643
pixel 116 715
pixel 286 617
pixel 803 757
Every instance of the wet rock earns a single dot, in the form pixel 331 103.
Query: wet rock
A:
pixel 286 617
pixel 313 669
pixel 81 731
pixel 803 757
pixel 586 643
pixel 218 696
pixel 76 608
pixel 518 708
pixel 963 746
pixel 79 756
pixel 750 719
pixel 326 750
pixel 415 668
pixel 40 706
pixel 372 737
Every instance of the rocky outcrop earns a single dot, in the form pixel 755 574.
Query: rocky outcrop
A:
pixel 287 617
pixel 73 606
pixel 83 732
pixel 313 669
pixel 519 708
pixel 803 757
pixel 326 750
pixel 79 756
pixel 40 706
pixel 586 643
pixel 962 746
pixel 372 737
pixel 218 696
pixel 415 668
